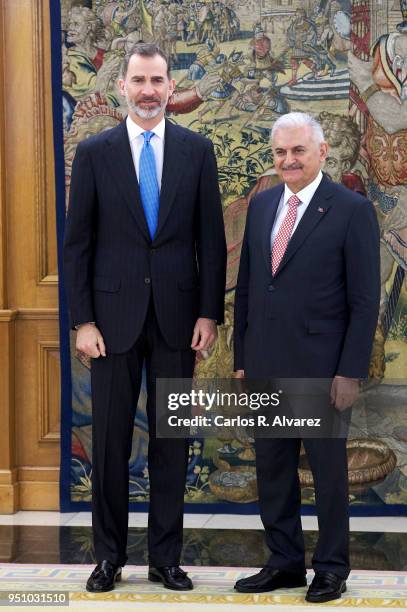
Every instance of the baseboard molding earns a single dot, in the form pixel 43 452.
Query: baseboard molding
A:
pixel 9 492
pixel 39 495
pixel 29 488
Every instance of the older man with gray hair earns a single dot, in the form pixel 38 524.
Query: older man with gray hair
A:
pixel 306 306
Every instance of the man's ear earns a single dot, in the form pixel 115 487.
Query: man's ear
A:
pixel 323 150
pixel 122 86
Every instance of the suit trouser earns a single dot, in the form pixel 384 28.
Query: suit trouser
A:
pixel 116 381
pixel 280 502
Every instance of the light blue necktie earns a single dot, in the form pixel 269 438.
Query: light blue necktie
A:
pixel 149 191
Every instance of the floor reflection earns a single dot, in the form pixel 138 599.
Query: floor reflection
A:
pixel 216 547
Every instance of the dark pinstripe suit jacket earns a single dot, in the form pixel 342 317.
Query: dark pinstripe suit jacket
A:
pixel 112 268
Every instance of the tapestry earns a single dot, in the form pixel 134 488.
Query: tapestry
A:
pixel 239 65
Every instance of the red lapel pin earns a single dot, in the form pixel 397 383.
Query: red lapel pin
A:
pixel 321 210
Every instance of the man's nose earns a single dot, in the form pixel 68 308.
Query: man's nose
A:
pixel 289 158
pixel 148 88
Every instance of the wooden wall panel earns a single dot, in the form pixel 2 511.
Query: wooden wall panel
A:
pixel 29 342
pixel 49 384
pixel 36 398
pixel 46 261
pixel 9 499
pixel 29 156
pixel 3 210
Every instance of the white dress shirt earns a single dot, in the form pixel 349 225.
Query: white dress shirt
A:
pixel 136 139
pixel 305 195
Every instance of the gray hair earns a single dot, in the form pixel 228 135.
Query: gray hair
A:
pixel 296 119
pixel 145 50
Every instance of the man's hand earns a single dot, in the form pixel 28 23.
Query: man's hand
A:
pixel 205 334
pixel 89 340
pixel 239 374
pixel 344 392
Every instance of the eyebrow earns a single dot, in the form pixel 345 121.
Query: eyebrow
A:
pixel 299 146
pixel 156 77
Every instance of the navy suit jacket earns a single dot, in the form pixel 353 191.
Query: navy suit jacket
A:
pixel 113 268
pixel 317 316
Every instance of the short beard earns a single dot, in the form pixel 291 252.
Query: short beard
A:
pixel 144 113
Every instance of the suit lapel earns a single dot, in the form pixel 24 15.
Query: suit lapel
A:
pixel 120 162
pixel 269 218
pixel 174 162
pixel 316 210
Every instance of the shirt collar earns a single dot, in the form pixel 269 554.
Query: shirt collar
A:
pixel 306 194
pixel 134 130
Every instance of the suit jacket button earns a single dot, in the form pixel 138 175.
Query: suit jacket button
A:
pixel 147 281
pixel 271 288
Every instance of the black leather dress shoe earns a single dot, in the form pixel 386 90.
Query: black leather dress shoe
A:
pixel 172 577
pixel 325 587
pixel 103 577
pixel 269 579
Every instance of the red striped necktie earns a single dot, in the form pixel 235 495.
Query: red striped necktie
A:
pixel 284 233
